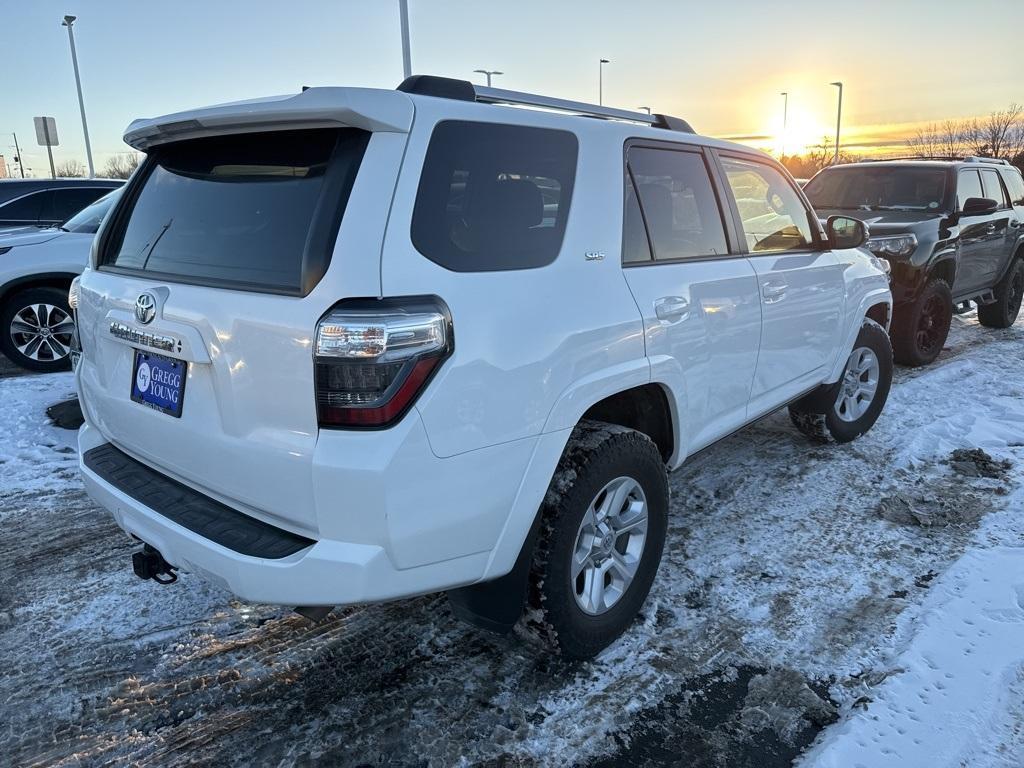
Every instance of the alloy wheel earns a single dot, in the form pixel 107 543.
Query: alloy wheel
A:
pixel 1015 292
pixel 859 384
pixel 609 544
pixel 929 326
pixel 42 332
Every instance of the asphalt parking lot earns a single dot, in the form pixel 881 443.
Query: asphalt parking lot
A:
pixel 790 581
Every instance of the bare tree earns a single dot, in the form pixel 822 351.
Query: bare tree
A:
pixel 71 169
pixel 950 138
pixel 121 166
pixel 999 134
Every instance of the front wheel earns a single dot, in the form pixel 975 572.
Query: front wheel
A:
pixel 604 521
pixel 920 331
pixel 847 409
pixel 1002 313
pixel 36 327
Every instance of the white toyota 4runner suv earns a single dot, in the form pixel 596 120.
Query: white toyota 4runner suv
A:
pixel 353 345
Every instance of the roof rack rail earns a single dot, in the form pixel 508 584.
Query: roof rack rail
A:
pixel 463 90
pixel 996 160
pixel 947 158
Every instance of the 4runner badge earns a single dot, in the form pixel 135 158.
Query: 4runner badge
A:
pixel 145 308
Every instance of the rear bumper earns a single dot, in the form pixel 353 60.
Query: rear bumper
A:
pixel 329 572
pixel 387 503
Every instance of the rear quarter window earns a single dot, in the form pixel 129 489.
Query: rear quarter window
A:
pixel 494 196
pixel 255 211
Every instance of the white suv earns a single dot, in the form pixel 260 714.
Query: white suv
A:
pixel 353 345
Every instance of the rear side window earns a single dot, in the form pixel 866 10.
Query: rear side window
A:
pixel 87 221
pixel 993 188
pixel 968 186
pixel 494 197
pixel 65 203
pixel 774 219
pixel 25 208
pixel 1015 185
pixel 257 211
pixel 635 246
pixel 681 212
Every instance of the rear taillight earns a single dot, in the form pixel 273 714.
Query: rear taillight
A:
pixel 373 358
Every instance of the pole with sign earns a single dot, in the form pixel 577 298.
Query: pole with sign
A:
pixel 46 136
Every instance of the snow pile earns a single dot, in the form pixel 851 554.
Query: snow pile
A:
pixel 29 442
pixel 961 678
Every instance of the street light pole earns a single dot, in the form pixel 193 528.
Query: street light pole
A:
pixel 403 12
pixel 600 81
pixel 68 21
pixel 488 73
pixel 21 160
pixel 785 115
pixel 839 119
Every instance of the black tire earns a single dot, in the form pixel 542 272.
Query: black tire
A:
pixel 597 455
pixel 24 307
pixel 1003 312
pixel 920 330
pixel 819 414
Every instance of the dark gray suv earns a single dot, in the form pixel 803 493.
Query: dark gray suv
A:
pixel 953 232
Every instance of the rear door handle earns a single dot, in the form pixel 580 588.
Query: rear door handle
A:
pixel 773 291
pixel 672 308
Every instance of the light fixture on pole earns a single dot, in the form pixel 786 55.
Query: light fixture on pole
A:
pixel 68 21
pixel 600 80
pixel 403 13
pixel 785 115
pixel 839 119
pixel 645 109
pixel 488 73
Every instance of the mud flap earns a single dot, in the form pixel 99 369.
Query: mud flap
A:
pixel 497 605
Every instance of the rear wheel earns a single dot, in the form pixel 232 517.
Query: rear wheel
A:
pixel 36 327
pixel 920 331
pixel 603 533
pixel 845 410
pixel 1002 313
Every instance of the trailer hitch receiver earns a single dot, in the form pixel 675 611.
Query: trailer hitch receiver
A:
pixel 150 564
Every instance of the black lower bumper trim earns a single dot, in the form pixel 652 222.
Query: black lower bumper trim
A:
pixel 190 509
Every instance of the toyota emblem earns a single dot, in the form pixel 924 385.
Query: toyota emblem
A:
pixel 145 308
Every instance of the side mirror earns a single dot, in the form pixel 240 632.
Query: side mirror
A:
pixel 845 232
pixel 979 206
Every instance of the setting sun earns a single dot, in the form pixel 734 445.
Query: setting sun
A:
pixel 802 131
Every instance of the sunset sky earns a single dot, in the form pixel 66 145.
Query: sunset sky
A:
pixel 720 65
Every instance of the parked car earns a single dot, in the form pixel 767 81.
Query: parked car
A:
pixel 332 354
pixel 36 270
pixel 48 202
pixel 953 232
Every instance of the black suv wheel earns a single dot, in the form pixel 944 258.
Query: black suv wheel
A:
pixel 1002 313
pixel 921 329
pixel 36 326
pixel 602 535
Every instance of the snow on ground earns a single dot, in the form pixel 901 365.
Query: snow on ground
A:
pixel 801 584
pixel 957 700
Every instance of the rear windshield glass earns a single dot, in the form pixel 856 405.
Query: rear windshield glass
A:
pixel 254 210
pixel 494 196
pixel 87 221
pixel 878 189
